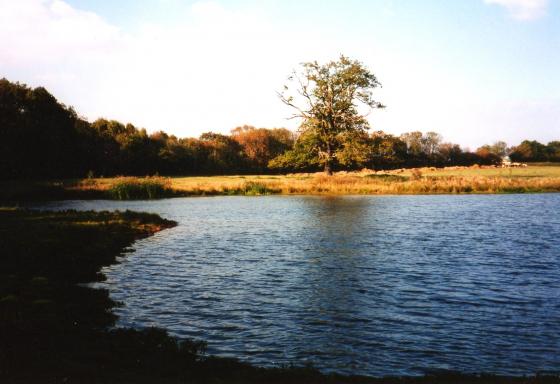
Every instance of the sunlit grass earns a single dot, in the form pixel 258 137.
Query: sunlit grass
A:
pixel 428 180
pixel 129 188
pixel 541 178
pixel 530 171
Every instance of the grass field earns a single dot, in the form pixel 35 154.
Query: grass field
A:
pixel 429 180
pixel 530 171
pixel 403 181
pixel 451 180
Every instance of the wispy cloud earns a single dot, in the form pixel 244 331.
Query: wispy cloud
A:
pixel 215 62
pixel 523 9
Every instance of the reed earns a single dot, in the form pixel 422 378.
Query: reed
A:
pixel 252 188
pixel 134 188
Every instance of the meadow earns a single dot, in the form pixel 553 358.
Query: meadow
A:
pixel 539 178
pixel 542 177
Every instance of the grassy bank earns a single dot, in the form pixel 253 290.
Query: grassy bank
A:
pixel 117 188
pixel 532 179
pixel 405 181
pixel 50 327
pixel 452 180
pixel 53 330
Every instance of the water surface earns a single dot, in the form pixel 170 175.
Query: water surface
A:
pixel 377 285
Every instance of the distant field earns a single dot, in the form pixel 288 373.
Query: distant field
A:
pixel 552 170
pixel 531 179
pixel 405 181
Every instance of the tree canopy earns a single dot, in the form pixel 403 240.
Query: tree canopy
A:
pixel 41 138
pixel 329 98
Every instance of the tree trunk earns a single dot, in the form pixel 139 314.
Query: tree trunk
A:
pixel 328 161
pixel 328 169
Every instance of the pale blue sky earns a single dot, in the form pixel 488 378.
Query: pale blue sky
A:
pixel 474 70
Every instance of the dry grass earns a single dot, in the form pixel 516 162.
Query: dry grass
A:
pixel 541 170
pixel 542 178
pixel 427 181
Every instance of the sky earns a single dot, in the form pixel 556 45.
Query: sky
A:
pixel 476 71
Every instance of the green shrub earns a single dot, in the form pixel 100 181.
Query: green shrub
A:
pixel 254 189
pixel 132 188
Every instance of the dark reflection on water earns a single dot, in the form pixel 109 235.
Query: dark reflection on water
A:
pixel 371 285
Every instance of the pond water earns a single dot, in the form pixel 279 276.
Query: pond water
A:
pixel 376 285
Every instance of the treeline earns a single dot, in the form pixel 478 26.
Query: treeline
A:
pixel 533 151
pixel 380 150
pixel 42 138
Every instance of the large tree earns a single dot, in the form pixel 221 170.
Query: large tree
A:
pixel 332 100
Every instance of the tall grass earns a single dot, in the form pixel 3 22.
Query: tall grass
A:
pixel 134 188
pixel 402 181
pixel 253 188
pixel 367 184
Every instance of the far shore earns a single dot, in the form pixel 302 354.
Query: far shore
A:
pixel 535 178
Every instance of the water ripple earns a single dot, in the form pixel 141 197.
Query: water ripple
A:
pixel 371 285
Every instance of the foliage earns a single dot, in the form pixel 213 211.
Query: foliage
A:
pixel 498 149
pixel 37 134
pixel 387 151
pixel 302 157
pixel 530 151
pixel 330 97
pixel 130 188
pixel 42 139
pixel 260 145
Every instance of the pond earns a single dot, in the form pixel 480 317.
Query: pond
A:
pixel 376 285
